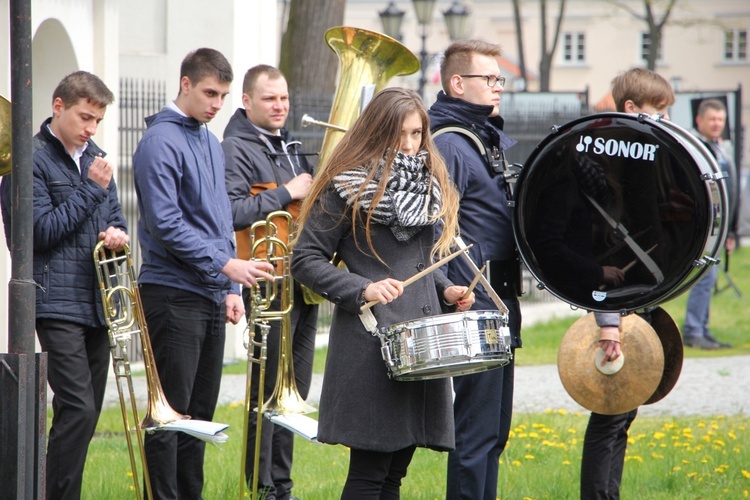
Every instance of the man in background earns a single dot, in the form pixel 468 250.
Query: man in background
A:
pixel 266 172
pixel 709 126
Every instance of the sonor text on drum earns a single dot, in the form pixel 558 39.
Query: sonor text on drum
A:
pixel 613 147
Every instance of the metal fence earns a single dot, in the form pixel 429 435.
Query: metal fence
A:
pixel 137 100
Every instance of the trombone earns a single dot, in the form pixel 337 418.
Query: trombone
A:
pixel 269 243
pixel 123 313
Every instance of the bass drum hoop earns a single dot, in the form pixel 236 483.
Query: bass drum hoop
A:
pixel 713 198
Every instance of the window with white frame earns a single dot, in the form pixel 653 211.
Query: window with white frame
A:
pixel 574 48
pixel 646 47
pixel 735 45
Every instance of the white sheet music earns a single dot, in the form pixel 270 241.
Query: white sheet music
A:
pixel 299 424
pixel 210 432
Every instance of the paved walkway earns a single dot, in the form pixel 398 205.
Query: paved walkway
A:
pixel 707 386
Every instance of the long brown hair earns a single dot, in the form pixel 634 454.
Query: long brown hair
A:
pixel 377 132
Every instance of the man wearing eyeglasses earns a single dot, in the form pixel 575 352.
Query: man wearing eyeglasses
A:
pixel 267 171
pixel 474 152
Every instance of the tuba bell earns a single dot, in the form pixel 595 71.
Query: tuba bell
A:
pixel 367 60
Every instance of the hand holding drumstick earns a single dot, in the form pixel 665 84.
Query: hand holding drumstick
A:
pixel 387 290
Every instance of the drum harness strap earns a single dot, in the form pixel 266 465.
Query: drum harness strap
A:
pixel 642 255
pixel 494 157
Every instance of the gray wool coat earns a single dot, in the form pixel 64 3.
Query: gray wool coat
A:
pixel 360 407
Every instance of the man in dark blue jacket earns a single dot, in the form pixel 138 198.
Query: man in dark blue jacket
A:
pixel 75 206
pixel 190 274
pixel 483 402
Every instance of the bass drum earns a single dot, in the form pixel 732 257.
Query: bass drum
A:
pixel 619 212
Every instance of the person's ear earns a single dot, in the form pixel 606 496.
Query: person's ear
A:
pixel 246 101
pixel 57 107
pixel 457 86
pixel 185 85
pixel 630 107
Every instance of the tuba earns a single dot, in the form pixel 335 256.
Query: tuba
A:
pixel 367 60
pixel 123 313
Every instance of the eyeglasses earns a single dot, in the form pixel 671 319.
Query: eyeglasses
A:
pixel 492 80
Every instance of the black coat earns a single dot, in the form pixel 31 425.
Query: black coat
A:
pixel 361 407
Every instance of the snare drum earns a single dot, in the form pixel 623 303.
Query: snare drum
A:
pixel 619 191
pixel 446 345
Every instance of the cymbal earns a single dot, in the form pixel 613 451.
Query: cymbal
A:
pixel 622 388
pixel 5 139
pixel 671 343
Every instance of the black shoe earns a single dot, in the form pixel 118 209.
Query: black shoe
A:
pixel 701 342
pixel 723 345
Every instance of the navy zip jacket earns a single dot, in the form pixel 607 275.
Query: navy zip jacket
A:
pixel 70 210
pixel 185 225
pixel 484 217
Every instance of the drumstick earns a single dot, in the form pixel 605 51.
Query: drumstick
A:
pixel 635 261
pixel 473 283
pixel 423 273
pixel 629 265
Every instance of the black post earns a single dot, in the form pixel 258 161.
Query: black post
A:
pixel 21 290
pixel 423 60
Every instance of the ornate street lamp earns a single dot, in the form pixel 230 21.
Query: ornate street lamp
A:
pixel 424 10
pixel 455 20
pixel 392 17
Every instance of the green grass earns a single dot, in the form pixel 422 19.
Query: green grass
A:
pixel 668 458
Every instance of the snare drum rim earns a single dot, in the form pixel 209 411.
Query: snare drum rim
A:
pixel 439 319
pixel 716 225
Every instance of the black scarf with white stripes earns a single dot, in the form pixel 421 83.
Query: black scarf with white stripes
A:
pixel 411 200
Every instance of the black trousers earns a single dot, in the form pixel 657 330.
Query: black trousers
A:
pixel 375 475
pixel 77 363
pixel 277 443
pixel 482 409
pixel 604 447
pixel 187 335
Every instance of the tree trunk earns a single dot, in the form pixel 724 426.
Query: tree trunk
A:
pixel 519 43
pixel 545 62
pixel 310 66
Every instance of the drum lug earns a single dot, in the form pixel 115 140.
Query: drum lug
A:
pixel 709 176
pixel 540 286
pixel 706 261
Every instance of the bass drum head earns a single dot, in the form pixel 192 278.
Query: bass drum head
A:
pixel 618 212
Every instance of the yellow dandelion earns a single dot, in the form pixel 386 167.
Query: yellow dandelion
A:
pixel 571 431
pixel 566 462
pixel 529 456
pixel 659 435
pixel 719 442
pixel 692 474
pixel 657 456
pixel 517 463
pixel 746 474
pixel 637 458
pixel 676 468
